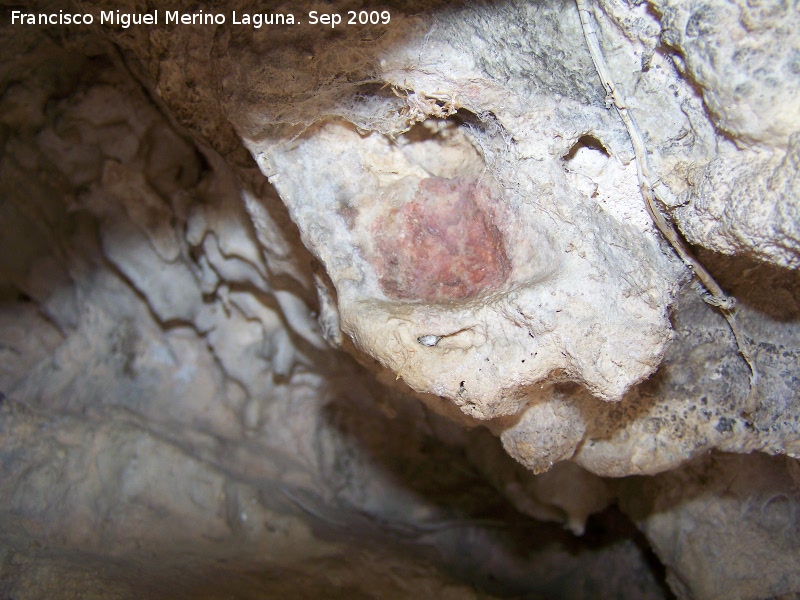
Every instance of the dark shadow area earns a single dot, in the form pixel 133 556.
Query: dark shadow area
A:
pixel 518 556
pixel 763 287
pixel 585 141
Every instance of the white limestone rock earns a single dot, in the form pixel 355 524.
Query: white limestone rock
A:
pixel 502 252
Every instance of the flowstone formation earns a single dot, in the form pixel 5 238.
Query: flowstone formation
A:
pixel 378 309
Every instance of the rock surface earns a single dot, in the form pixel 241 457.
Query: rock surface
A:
pixel 236 259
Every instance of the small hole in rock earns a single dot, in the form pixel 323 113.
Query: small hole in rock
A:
pixel 585 143
pixel 442 146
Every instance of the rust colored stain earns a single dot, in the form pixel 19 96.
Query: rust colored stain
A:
pixel 440 246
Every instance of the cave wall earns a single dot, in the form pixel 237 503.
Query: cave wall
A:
pixel 378 310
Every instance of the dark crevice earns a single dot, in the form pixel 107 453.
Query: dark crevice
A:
pixel 585 141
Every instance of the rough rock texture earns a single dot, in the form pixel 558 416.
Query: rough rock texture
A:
pixel 578 290
pixel 590 283
pixel 725 526
pixel 744 59
pixel 439 245
pixel 211 360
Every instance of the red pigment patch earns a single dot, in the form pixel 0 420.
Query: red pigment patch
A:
pixel 440 246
